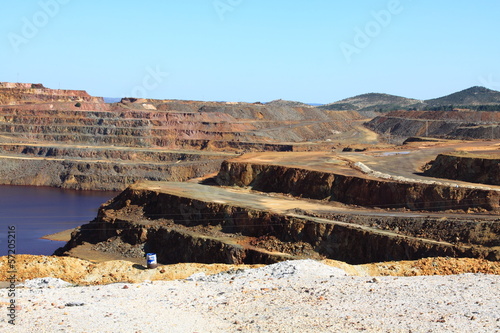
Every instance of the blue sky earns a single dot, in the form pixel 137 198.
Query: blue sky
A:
pixel 252 50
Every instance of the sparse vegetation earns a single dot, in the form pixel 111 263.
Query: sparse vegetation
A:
pixel 491 108
pixel 475 96
pixel 473 99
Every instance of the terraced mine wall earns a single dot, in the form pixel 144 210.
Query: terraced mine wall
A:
pixel 67 138
pixel 119 154
pixel 180 229
pixel 466 230
pixel 484 170
pixel 17 93
pixel 111 168
pixel 439 124
pixel 41 114
pixel 355 190
pixel 87 175
pixel 99 169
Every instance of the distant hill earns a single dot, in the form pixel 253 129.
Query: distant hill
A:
pixel 472 96
pixel 475 98
pixel 112 100
pixel 281 102
pixel 373 102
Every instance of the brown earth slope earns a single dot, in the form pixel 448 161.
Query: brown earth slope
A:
pixel 70 139
pixel 84 272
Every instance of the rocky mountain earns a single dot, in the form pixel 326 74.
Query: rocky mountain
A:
pixel 475 96
pixel 373 102
pixel 472 96
pixel 470 114
pixel 281 103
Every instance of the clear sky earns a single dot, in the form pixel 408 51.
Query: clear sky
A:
pixel 315 51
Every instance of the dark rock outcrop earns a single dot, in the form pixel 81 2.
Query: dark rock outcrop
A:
pixel 469 168
pixel 98 175
pixel 438 124
pixel 355 190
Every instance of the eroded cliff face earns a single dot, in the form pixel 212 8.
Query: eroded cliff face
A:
pixel 98 175
pixel 472 168
pixel 363 191
pixel 438 124
pixel 181 228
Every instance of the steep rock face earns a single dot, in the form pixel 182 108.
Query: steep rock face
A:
pixel 118 155
pixel 96 175
pixel 25 93
pixel 469 230
pixel 354 190
pixel 182 229
pixel 475 169
pixel 280 179
pixel 440 124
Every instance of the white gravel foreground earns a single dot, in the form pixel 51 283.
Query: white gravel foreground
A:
pixel 298 296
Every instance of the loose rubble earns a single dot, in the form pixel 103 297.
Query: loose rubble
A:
pixel 298 296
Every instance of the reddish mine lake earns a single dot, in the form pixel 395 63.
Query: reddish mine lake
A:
pixel 38 211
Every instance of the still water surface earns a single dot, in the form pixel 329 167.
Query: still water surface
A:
pixel 39 211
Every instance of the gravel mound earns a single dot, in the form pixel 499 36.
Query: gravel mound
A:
pixel 297 269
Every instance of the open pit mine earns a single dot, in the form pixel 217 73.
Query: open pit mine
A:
pixel 242 183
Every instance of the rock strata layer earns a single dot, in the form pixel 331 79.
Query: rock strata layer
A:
pixel 187 222
pixel 468 125
pixel 468 167
pixel 354 189
pixel 67 138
